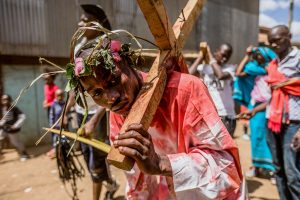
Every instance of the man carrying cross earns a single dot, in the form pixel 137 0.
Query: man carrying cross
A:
pixel 186 153
pixel 186 149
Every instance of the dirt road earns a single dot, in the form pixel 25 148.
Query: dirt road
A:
pixel 37 178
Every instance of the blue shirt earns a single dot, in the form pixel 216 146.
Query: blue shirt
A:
pixel 55 112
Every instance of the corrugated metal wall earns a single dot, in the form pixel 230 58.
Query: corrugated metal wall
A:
pixel 36 27
pixel 44 27
pixel 232 21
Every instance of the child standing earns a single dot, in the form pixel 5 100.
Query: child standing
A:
pixel 10 126
pixel 55 112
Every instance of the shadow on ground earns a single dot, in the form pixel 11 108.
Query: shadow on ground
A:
pixel 253 185
pixel 120 198
pixel 34 151
pixel 261 198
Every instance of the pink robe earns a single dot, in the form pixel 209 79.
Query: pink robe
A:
pixel 187 128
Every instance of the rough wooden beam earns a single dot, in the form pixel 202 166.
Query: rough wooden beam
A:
pixel 159 24
pixel 150 95
pixel 186 21
pixel 144 108
pixel 187 54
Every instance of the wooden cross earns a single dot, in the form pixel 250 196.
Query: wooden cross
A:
pixel 170 41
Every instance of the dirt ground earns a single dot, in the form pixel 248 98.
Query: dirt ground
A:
pixel 37 178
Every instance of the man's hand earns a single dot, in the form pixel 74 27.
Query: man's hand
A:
pixel 137 144
pixel 87 130
pixel 249 50
pixel 46 105
pixel 296 141
pixel 247 114
pixel 65 122
pixel 279 85
pixel 286 82
pixel 210 54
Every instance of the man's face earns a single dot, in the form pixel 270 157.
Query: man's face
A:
pixel 116 92
pixel 5 101
pixel 279 40
pixel 84 19
pixel 259 58
pixel 222 54
pixel 48 79
pixel 59 96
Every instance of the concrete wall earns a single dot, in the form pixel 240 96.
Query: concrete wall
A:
pixel 37 27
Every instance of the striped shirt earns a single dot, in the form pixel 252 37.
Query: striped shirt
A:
pixel 290 67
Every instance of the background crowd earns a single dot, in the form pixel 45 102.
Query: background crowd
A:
pixel 262 89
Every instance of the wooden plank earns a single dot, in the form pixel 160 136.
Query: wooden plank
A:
pixel 156 16
pixel 203 52
pixel 149 97
pixel 144 108
pixel 165 36
pixel 187 54
pixel 186 21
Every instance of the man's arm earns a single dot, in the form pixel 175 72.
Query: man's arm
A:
pixel 207 167
pixel 210 168
pixel 91 125
pixel 286 82
pixel 137 144
pixel 2 122
pixel 250 113
pixel 20 120
pixel 240 68
pixel 218 71
pixel 193 67
pixel 239 71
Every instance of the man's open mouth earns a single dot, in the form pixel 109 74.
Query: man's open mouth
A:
pixel 118 105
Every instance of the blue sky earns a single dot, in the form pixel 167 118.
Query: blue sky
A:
pixel 274 12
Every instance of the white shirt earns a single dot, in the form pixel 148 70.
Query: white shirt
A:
pixel 220 90
pixel 92 106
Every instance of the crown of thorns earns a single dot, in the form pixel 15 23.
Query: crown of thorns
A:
pixel 107 51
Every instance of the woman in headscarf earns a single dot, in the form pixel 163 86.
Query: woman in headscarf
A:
pixel 252 91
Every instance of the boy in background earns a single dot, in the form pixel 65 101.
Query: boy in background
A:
pixel 55 112
pixel 10 126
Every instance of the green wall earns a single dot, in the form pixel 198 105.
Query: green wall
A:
pixel 16 77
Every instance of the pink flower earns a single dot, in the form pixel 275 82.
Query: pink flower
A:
pixel 79 66
pixel 116 56
pixel 115 46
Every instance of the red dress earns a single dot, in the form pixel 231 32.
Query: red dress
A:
pixel 187 128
